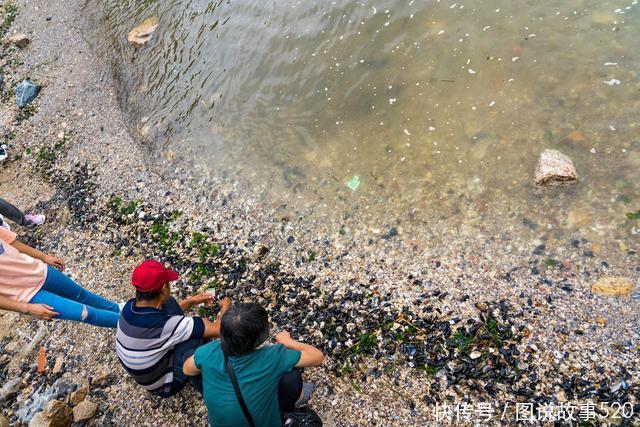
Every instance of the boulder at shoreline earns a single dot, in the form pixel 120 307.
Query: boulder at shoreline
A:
pixel 140 36
pixel 555 169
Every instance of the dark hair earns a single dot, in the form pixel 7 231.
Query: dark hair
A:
pixel 243 328
pixel 147 296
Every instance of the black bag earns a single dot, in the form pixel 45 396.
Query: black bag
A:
pixel 301 417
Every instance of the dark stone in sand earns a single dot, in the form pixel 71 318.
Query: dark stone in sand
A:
pixel 528 223
pixel 391 233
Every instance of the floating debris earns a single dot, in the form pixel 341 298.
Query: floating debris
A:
pixel 354 182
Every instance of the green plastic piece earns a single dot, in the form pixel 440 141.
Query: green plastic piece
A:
pixel 354 182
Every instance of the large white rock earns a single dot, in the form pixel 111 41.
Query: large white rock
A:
pixel 555 169
pixel 141 35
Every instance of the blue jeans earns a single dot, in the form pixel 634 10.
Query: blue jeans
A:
pixel 74 302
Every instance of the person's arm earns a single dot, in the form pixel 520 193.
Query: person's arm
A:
pixel 310 355
pixel 189 367
pixel 201 298
pixel 34 253
pixel 212 329
pixel 41 311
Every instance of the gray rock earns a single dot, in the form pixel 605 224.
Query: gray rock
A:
pixel 555 169
pixel 62 387
pixel 26 92
pixel 10 388
pixel 21 40
pixel 84 411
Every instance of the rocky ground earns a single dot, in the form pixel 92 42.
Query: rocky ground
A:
pixel 417 329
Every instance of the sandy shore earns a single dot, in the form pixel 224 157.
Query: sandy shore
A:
pixel 388 311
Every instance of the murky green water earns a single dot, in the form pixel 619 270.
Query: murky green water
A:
pixel 440 108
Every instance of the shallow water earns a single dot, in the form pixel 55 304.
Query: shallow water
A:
pixel 439 108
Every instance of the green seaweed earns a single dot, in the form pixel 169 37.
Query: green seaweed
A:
pixel 123 211
pixel 431 370
pixel 10 13
pixel 311 255
pixel 461 341
pixel 25 113
pixel 491 326
pixel 366 343
pixel 163 236
pixel 204 247
pixel 633 215
pixel 201 272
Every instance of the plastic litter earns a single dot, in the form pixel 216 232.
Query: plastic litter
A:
pixel 354 182
pixel 3 152
pixel 39 399
pixel 26 92
pixel 42 360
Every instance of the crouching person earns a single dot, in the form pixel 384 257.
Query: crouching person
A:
pixel 154 338
pixel 266 377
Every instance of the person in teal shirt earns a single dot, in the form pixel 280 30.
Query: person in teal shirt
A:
pixel 267 375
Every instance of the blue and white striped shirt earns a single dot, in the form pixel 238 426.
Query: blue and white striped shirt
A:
pixel 145 340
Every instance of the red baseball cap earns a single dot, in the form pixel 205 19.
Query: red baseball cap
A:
pixel 151 276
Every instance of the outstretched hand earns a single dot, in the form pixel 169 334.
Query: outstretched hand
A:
pixel 41 311
pixel 225 303
pixel 202 298
pixel 283 337
pixel 54 261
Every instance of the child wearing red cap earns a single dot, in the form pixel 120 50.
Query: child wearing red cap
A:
pixel 28 285
pixel 154 337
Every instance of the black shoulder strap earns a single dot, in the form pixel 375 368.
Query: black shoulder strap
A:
pixel 236 388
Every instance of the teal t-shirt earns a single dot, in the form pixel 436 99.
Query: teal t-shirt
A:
pixel 258 374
